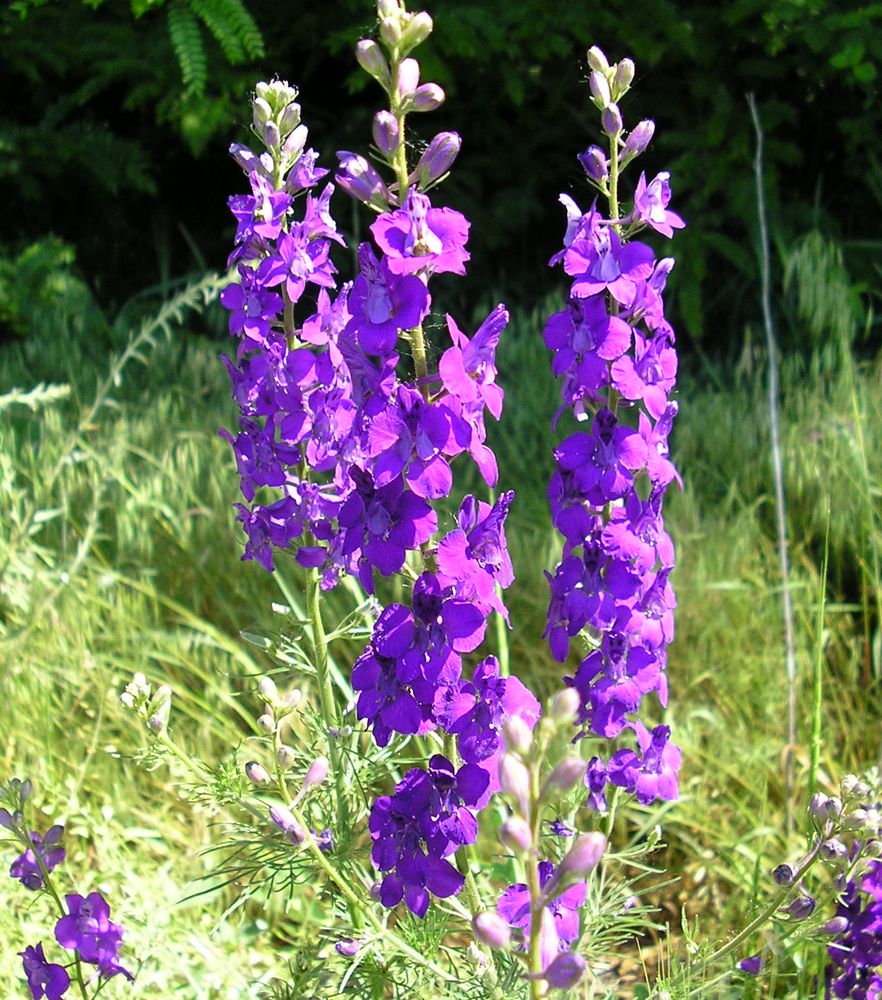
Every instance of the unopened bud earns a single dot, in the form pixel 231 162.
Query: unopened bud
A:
pixel 852 785
pixel 638 139
pixel 261 113
pixel 518 735
pixel 594 163
pixel 873 849
pixel 284 756
pixel 293 145
pixel 583 857
pixel 597 60
pixel 285 821
pixel 385 132
pixel 317 772
pixel 490 929
pixel 390 31
pixel 599 86
pixel 272 138
pixel 565 707
pixel 25 789
pixel 266 723
pixel 6 818
pixel 292 698
pixel 515 834
pixel 438 158
pixel 818 806
pixel 611 120
pixel 387 8
pixel 289 119
pixel 565 971
pixel 514 778
pixel 855 820
pixel 257 773
pixel 360 179
pixel 371 59
pixel 126 700
pixel 800 908
pixel 568 773
pixel 348 948
pixel 837 926
pixel 427 97
pixel 158 722
pixel 833 851
pixel 416 31
pixel 268 690
pixel 784 874
pixel 408 79
pixel 623 78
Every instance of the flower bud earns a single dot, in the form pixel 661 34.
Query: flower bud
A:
pixel 623 78
pixel 272 138
pixel 518 735
pixel 855 820
pixel 490 929
pixel 818 806
pixel 390 32
pixel 597 60
pixel 126 700
pixel 611 120
pixel 784 874
pixel 360 179
pixel 285 821
pixel 417 30
pixel 599 86
pixel 515 834
pixel 595 164
pixel 6 818
pixel 293 145
pixel 261 113
pixel 852 785
pixel 751 965
pixel 257 773
pixel 833 851
pixel 565 971
pixel 568 773
pixel 266 723
pixel 565 707
pixel 290 118
pixel 438 158
pixel 371 59
pixel 873 849
pixel 582 858
pixel 348 948
pixel 268 690
pixel 408 79
pixel 317 772
pixel 385 133
pixel 388 8
pixel 292 698
pixel 800 908
pixel 514 778
pixel 284 757
pixel 837 926
pixel 427 97
pixel 638 139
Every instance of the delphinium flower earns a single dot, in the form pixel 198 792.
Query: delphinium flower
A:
pixel 613 351
pixel 83 926
pixel 855 968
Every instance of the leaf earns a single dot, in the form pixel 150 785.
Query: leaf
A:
pixel 186 40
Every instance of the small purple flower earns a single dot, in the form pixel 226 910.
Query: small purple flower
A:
pixel 468 369
pixel 418 237
pixel 45 979
pixel 651 774
pixel 252 307
pixel 751 965
pixel 603 263
pixel 26 867
pixel 87 928
pixel 651 204
pixel 514 905
pixel 604 460
pixel 300 258
pixel 262 212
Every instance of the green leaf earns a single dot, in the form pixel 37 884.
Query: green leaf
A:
pixel 186 40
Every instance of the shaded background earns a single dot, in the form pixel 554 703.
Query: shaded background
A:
pixel 118 116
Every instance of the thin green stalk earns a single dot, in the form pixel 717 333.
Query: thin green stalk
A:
pixel 818 671
pixel 534 960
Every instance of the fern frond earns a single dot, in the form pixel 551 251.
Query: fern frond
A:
pixel 244 25
pixel 186 39
pixel 214 16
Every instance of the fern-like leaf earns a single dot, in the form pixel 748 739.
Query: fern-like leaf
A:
pixel 213 15
pixel 186 39
pixel 244 25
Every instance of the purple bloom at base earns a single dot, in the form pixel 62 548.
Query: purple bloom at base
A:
pixel 855 968
pixel 87 928
pixel 514 907
pixel 44 978
pixel 418 827
pixel 418 236
pixel 651 774
pixel 26 867
pixel 751 965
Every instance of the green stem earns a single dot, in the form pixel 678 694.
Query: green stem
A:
pixel 614 180
pixel 818 672
pixel 534 960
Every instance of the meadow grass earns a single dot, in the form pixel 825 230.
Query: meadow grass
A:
pixel 119 553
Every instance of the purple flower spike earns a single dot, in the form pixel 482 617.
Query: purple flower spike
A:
pixel 26 867
pixel 45 979
pixel 88 929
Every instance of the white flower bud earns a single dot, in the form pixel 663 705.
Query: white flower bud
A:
pixel 518 736
pixel 597 60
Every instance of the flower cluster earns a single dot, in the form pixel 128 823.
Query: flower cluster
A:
pixel 855 968
pixel 346 442
pixel 613 351
pixel 84 926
